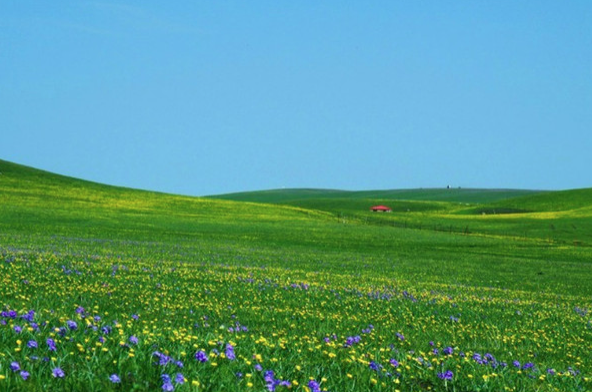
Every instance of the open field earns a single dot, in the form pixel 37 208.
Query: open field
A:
pixel 105 288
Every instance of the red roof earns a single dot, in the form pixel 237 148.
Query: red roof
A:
pixel 380 208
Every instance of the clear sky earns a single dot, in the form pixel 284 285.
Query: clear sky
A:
pixel 209 97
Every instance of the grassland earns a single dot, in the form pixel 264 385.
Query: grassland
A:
pixel 456 290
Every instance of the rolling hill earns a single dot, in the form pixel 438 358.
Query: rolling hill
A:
pixel 559 216
pixel 123 289
pixel 460 195
pixel 36 207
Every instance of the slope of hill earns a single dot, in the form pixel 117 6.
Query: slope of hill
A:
pixel 561 216
pixel 558 201
pixel 460 195
pixel 33 200
pixel 36 207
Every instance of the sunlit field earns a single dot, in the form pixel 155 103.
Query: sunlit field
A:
pixel 105 288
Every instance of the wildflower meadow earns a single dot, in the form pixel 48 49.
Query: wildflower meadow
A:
pixel 160 293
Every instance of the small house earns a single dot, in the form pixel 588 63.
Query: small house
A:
pixel 380 209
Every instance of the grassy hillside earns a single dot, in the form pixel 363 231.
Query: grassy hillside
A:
pixel 562 217
pixel 34 201
pixel 105 288
pixel 339 230
pixel 560 201
pixel 460 195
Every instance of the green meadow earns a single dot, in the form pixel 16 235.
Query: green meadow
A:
pixel 106 288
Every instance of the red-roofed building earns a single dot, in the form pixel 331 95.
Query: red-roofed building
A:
pixel 380 209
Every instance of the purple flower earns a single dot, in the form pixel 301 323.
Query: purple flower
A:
pixel 258 367
pixel 351 340
pixel 72 325
pixel 51 344
pixel 394 362
pixel 201 356
pixel 32 344
pixel 80 310
pixel 179 379
pixel 528 365
pixel 230 352
pixel 18 329
pixel 516 364
pixel 15 367
pixel 162 358
pixel 167 385
pixel 133 339
pixel 58 373
pixel 270 382
pixel 314 386
pixel 369 329
pixel 25 374
pixel 448 351
pixel 400 336
pixel 114 378
pixel 447 375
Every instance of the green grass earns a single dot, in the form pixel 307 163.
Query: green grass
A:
pixel 304 276
pixel 460 195
pixel 563 217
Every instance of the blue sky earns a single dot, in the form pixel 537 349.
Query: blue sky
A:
pixel 203 98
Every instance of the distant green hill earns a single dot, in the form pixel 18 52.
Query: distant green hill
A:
pixel 562 216
pixel 460 195
pixel 545 202
pixel 34 200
